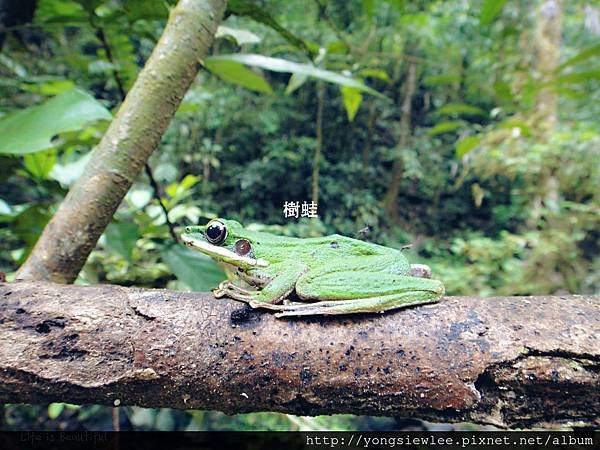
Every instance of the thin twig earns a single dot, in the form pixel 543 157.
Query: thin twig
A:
pixel 156 189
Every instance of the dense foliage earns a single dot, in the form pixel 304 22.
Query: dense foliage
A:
pixel 447 125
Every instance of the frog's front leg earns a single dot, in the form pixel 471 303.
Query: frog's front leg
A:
pixel 277 282
pixel 281 284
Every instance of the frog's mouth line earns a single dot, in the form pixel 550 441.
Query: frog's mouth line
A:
pixel 224 253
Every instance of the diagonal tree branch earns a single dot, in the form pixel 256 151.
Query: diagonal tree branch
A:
pixel 70 236
pixel 506 361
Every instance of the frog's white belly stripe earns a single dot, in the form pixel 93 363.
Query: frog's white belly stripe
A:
pixel 224 252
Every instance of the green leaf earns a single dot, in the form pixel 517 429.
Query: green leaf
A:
pixel 193 268
pixel 295 81
pixel 444 127
pixel 352 99
pixel 236 73
pixel 436 80
pixel 255 11
pixel 467 144
pixel 40 164
pixel 490 10
pixel 375 73
pixel 460 109
pixel 578 77
pixel 145 9
pixel 54 410
pixel 240 36
pixel 369 8
pixel 53 11
pixel 32 129
pixel 121 238
pixel 282 65
pixel 582 56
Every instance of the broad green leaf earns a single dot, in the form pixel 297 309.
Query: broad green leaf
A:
pixel 121 238
pixel 444 127
pixel 282 65
pixel 467 144
pixel 352 99
pixel 236 73
pixel 255 11
pixel 241 36
pixel 490 10
pixel 460 109
pixel 32 129
pixel 196 270
pixel 582 56
pixel 578 77
pixel 40 164
pixel 54 410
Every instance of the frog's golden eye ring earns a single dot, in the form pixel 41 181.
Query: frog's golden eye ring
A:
pixel 215 232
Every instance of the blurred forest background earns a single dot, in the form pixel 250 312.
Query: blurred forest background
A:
pixel 470 129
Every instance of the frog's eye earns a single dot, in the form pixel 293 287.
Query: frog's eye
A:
pixel 188 229
pixel 215 232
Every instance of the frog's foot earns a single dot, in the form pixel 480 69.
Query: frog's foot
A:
pixel 360 305
pixel 228 289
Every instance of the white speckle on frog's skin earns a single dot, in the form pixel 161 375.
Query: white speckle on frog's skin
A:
pixel 117 402
pixel 243 394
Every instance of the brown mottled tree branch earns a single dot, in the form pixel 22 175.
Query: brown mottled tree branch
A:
pixel 70 236
pixel 506 361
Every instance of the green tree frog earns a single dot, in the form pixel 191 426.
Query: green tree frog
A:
pixel 313 276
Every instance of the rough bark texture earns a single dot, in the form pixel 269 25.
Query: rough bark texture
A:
pixel 507 361
pixel 70 236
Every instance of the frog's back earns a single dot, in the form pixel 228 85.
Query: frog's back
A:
pixel 347 246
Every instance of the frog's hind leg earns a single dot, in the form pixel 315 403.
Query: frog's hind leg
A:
pixel 344 292
pixel 359 305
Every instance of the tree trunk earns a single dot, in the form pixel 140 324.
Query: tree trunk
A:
pixel 70 236
pixel 391 198
pixel 547 53
pixel 547 57
pixel 505 361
